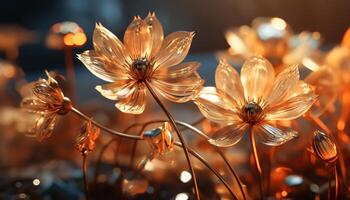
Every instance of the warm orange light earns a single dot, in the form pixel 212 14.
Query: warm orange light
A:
pixel 284 193
pixel 68 39
pixel 79 39
pixel 346 38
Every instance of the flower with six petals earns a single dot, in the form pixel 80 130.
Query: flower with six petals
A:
pixel 254 99
pixel 144 56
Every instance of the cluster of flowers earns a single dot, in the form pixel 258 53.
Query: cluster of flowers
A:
pixel 257 99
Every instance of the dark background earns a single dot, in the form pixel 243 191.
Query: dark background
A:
pixel 208 18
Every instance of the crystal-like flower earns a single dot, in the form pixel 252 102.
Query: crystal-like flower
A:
pixel 160 139
pixel 271 38
pixel 85 142
pixel 323 146
pixel 254 98
pixel 46 100
pixel 144 57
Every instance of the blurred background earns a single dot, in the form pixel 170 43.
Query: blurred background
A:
pixel 209 19
pixel 26 26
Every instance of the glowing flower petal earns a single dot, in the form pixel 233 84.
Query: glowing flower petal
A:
pixel 135 102
pixel 273 136
pixel 156 31
pixel 102 67
pixel 229 135
pixel 182 70
pixel 85 142
pixel 137 39
pixel 109 45
pixel 44 126
pixel 179 91
pixel 291 108
pixel 213 107
pixel 257 76
pixel 33 105
pixel 174 49
pixel 284 82
pixel 116 90
pixel 228 81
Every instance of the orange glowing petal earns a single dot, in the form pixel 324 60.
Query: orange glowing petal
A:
pixel 174 49
pixel 229 135
pixel 85 142
pixel 179 91
pixel 137 39
pixel 257 76
pixel 134 102
pixel 156 31
pixel 284 82
pixel 228 81
pixel 213 107
pixel 114 50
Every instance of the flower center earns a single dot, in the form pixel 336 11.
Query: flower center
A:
pixel 251 113
pixel 141 67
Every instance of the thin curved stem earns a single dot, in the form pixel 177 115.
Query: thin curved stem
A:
pixel 256 159
pixel 108 130
pixel 173 123
pixel 201 159
pixel 336 179
pixel 86 187
pixel 233 172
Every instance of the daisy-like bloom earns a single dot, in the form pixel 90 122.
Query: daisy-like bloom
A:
pixel 85 142
pixel 46 100
pixel 144 57
pixel 323 146
pixel 256 98
pixel 271 38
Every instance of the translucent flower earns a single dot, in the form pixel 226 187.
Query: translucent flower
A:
pixel 323 146
pixel 46 100
pixel 255 98
pixel 160 139
pixel 271 38
pixel 144 57
pixel 85 142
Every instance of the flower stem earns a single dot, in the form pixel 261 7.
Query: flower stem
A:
pixel 256 160
pixel 233 172
pixel 184 146
pixel 201 159
pixel 108 130
pixel 86 189
pixel 336 179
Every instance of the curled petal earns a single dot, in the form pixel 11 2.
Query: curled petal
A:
pixel 102 67
pixel 117 90
pixel 257 76
pixel 291 108
pixel 181 70
pixel 179 91
pixel 137 39
pixel 227 80
pixel 34 105
pixel 107 44
pixel 156 31
pixel 46 93
pixel 273 136
pixel 85 142
pixel 174 49
pixel 229 135
pixel 213 107
pixel 44 126
pixel 134 102
pixel 284 82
